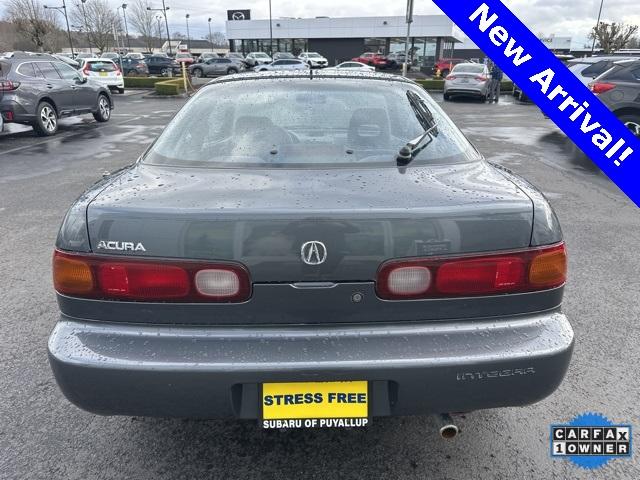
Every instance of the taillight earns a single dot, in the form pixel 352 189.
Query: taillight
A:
pixel 86 69
pixel 8 85
pixel 481 78
pixel 450 77
pixel 471 275
pixel 601 87
pixel 118 71
pixel 151 280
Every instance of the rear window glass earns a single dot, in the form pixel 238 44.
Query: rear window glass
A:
pixel 301 123
pixel 5 67
pixel 465 68
pixel 101 66
pixel 27 70
pixel 596 69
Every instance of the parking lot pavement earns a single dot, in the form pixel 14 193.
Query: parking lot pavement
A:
pixel 42 436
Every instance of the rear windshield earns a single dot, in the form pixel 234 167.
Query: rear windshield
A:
pixel 5 68
pixel 467 68
pixel 299 122
pixel 101 66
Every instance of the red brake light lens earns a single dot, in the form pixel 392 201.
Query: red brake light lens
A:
pixel 115 278
pixel 481 78
pixel 8 85
pixel 472 275
pixel 450 77
pixel 601 87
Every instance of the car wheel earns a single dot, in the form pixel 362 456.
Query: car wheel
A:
pixel 447 97
pixel 121 91
pixel 131 73
pixel 164 72
pixel 231 71
pixel 197 72
pixel 103 113
pixel 632 122
pixel 46 123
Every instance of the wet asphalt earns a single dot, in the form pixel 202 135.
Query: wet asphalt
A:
pixel 42 436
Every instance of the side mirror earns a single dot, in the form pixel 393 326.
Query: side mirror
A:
pixel 81 80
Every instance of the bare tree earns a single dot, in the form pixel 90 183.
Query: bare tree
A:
pixel 144 22
pixel 32 20
pixel 613 36
pixel 178 36
pixel 218 39
pixel 102 21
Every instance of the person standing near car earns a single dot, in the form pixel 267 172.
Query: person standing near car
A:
pixel 496 79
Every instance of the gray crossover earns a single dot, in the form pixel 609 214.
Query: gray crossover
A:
pixel 318 246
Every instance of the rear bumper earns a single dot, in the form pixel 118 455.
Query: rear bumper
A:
pixel 471 90
pixel 208 372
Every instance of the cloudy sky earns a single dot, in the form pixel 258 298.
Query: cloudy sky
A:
pixel 562 17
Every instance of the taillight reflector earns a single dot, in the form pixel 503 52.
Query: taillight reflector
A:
pixel 141 279
pixel 450 77
pixel 472 275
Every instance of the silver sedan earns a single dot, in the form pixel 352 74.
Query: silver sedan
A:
pixel 467 79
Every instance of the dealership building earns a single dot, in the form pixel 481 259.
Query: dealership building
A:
pixel 340 39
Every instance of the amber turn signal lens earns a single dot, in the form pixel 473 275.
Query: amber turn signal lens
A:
pixel 549 269
pixel 70 275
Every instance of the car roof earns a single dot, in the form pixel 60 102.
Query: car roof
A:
pixel 310 74
pixel 97 59
pixel 596 59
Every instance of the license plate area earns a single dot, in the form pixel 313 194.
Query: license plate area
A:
pixel 315 404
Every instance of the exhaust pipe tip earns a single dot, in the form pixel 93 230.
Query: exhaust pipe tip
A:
pixel 448 429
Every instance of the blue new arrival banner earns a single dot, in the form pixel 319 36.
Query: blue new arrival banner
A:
pixel 558 93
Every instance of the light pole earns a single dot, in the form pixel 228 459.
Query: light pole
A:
pixel 188 36
pixel 166 22
pixel 593 45
pixel 126 28
pixel 159 20
pixel 86 25
pixel 408 39
pixel 210 36
pixel 270 31
pixel 63 9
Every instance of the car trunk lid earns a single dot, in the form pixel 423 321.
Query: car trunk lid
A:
pixel 263 218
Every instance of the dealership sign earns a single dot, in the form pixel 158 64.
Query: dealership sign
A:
pixel 558 93
pixel 238 14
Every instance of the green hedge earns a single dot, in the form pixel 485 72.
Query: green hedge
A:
pixel 438 85
pixel 142 82
pixel 170 87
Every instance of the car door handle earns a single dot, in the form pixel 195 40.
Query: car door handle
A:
pixel 49 85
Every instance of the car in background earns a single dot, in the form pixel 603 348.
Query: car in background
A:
pixel 132 67
pixel 206 56
pixel 254 59
pixel 80 56
pixel 376 60
pixel 104 72
pixel 214 67
pixel 468 80
pixel 396 60
pixel 38 89
pixel 619 89
pixel 66 59
pixel 313 59
pixel 162 65
pixel 445 65
pixel 280 65
pixel 587 69
pixel 109 56
pixel 317 229
pixel 184 57
pixel 283 56
pixel 134 56
pixel 350 67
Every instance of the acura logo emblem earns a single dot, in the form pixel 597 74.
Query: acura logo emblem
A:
pixel 237 16
pixel 313 253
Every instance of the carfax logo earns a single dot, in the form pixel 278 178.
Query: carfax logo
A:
pixel 590 440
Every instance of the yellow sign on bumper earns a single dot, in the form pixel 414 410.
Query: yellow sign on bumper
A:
pixel 315 404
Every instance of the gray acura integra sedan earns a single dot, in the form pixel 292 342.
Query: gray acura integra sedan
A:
pixel 309 249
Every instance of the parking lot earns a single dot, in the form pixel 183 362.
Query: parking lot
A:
pixel 43 436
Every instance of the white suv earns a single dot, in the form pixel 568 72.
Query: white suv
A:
pixel 254 59
pixel 313 59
